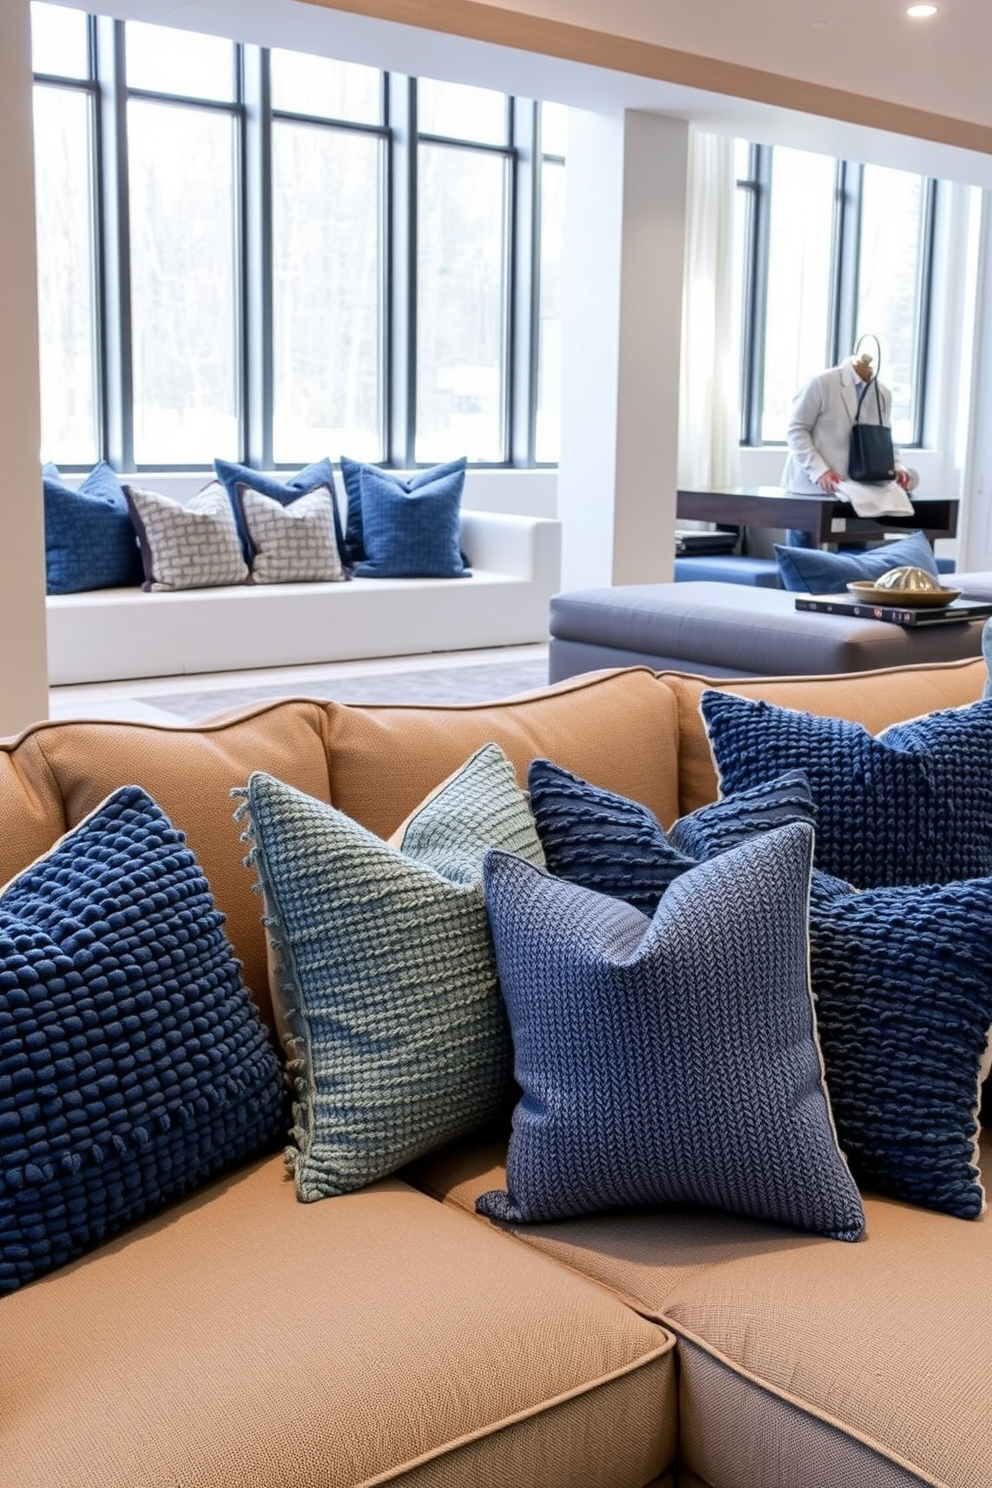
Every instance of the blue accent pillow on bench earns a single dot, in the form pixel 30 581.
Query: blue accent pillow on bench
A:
pixel 813 571
pixel 351 475
pixel 89 540
pixel 321 473
pixel 412 534
pixel 132 1063
pixel 670 1060
pixel 911 805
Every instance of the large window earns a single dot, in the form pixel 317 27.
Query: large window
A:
pixel 829 251
pixel 275 256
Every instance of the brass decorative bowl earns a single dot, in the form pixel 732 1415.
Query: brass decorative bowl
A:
pixel 913 587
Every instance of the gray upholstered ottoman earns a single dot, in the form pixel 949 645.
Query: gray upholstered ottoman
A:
pixel 727 630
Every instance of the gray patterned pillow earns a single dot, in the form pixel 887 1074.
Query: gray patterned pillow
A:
pixel 293 544
pixel 187 547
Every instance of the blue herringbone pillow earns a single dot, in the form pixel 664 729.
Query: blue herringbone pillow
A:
pixel 617 846
pixel 132 1064
pixel 910 806
pixel 387 993
pixel 900 976
pixel 89 540
pixel 670 1060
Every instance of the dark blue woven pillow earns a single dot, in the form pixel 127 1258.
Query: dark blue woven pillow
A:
pixel 813 571
pixel 904 1005
pixel 900 975
pixel 321 473
pixel 90 542
pixel 591 836
pixel 132 1064
pixel 910 806
pixel 412 534
pixel 670 1060
pixel 351 475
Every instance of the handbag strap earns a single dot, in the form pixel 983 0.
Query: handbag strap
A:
pixel 870 336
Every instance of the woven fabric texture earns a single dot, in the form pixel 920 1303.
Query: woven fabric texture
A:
pixel 195 546
pixel 292 544
pixel 412 533
pixel 132 1064
pixel 904 1006
pixel 90 542
pixel 617 846
pixel 671 1060
pixel 813 571
pixel 320 473
pixel 910 806
pixel 351 476
pixel 396 1034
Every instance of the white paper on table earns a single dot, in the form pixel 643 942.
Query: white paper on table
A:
pixel 885 500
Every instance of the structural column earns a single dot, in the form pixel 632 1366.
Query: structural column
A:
pixel 625 244
pixel 23 658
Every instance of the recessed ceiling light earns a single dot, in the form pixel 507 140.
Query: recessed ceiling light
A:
pixel 920 12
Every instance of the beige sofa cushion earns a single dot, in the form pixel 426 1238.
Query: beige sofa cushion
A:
pixel 880 1351
pixel 875 699
pixel 617 729
pixel 247 1339
pixel 71 767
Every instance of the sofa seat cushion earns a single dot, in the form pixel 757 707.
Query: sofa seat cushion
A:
pixel 828 1365
pixel 245 1338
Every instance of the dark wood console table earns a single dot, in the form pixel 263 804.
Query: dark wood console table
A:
pixel 829 520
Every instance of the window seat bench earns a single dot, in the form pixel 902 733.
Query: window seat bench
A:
pixel 106 635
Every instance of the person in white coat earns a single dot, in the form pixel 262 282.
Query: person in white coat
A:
pixel 819 432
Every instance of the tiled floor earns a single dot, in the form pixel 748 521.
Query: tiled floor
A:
pixel 442 677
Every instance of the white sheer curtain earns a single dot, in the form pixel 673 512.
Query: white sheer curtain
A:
pixel 709 415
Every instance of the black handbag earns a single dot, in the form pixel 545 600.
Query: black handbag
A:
pixel 872 457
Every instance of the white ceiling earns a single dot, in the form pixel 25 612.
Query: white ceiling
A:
pixel 940 66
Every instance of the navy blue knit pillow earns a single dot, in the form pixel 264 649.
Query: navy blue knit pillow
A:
pixel 90 542
pixel 903 985
pixel 320 473
pixel 910 806
pixel 617 846
pixel 412 534
pixel 670 1060
pixel 351 475
pixel 132 1064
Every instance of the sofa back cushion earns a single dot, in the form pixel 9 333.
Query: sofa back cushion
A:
pixel 614 729
pixel 875 699
pixel 59 772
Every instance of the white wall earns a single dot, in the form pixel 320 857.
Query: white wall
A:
pixel 23 678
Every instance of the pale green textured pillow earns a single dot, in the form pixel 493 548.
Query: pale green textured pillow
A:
pixel 394 1026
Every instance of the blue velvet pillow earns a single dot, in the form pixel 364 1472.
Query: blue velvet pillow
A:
pixel 132 1063
pixel 351 475
pixel 900 976
pixel 606 842
pixel 321 473
pixel 812 571
pixel 411 534
pixel 910 806
pixel 903 994
pixel 670 1060
pixel 89 540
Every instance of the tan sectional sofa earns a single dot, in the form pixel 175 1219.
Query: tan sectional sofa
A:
pixel 241 1339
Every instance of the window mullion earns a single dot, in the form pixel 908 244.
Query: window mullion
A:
pixel 116 385
pixel 256 260
pixel 400 400
pixel 520 398
pixel 756 296
pixel 843 326
pixel 924 294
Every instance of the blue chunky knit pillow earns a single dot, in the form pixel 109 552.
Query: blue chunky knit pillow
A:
pixel 670 1060
pixel 89 540
pixel 394 1027
pixel 900 976
pixel 351 475
pixel 904 1006
pixel 912 805
pixel 617 846
pixel 132 1064
pixel 320 473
